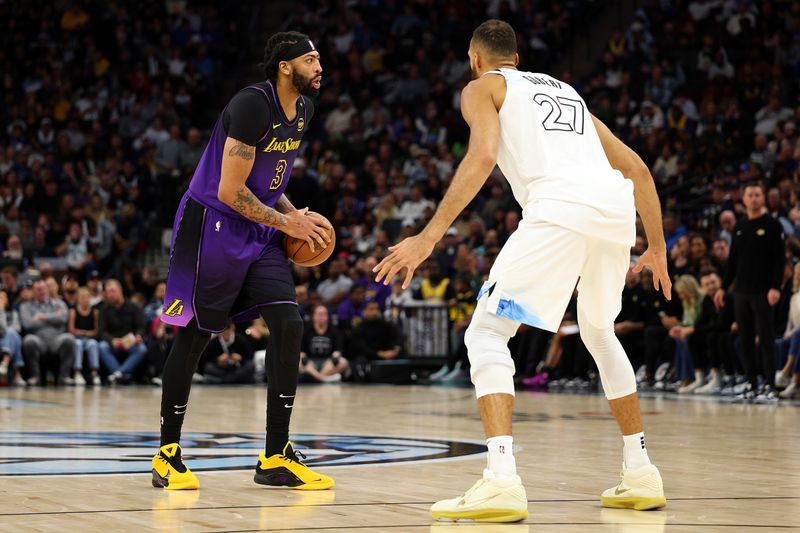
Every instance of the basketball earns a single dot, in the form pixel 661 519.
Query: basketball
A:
pixel 298 251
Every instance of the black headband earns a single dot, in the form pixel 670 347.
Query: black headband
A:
pixel 298 49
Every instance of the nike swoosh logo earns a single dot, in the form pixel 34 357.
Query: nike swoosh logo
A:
pixel 276 126
pixel 287 395
pixel 286 405
pixel 617 492
pixel 464 502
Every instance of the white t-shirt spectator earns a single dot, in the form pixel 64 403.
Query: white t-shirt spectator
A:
pixel 768 117
pixel 339 119
pixel 648 123
pixel 329 288
pixel 415 209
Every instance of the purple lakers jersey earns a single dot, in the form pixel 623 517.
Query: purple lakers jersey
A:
pixel 276 151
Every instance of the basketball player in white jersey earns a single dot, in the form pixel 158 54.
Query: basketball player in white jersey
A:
pixel 579 188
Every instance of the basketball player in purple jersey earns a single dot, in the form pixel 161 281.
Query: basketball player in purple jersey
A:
pixel 227 260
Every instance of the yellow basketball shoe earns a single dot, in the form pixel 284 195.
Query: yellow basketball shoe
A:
pixel 489 500
pixel 286 470
pixel 640 489
pixel 170 473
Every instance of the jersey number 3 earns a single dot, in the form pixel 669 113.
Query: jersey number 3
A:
pixel 566 114
pixel 280 169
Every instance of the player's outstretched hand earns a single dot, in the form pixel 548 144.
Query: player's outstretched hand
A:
pixel 408 254
pixel 310 227
pixel 656 261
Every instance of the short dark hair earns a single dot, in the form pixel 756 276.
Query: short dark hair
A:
pixel 496 37
pixel 276 44
pixel 756 183
pixel 708 272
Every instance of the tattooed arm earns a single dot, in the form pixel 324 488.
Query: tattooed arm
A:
pixel 237 162
pixel 283 205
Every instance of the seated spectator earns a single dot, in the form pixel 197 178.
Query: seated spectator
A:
pixel 228 359
pixel 374 290
pixel 788 377
pixel 321 349
pixel 10 280
pixel 375 338
pixel 692 298
pixel 75 249
pixel 13 255
pixel 120 330
pixel 44 320
pixel 69 290
pixel 629 325
pixel 351 310
pixel 83 325
pixel 727 220
pixel 720 252
pixel 715 325
pixel 153 309
pixel 10 343
pixel 435 287
pixel 337 285
pixel 660 316
pixel 398 299
pixel 414 208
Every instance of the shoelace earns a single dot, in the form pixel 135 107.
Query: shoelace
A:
pixel 293 456
pixel 175 462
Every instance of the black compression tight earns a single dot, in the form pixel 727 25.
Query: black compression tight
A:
pixel 282 366
pixel 179 367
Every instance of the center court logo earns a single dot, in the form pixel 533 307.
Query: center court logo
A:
pixel 45 453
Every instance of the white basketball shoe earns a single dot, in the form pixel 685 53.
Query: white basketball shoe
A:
pixel 640 489
pixel 489 500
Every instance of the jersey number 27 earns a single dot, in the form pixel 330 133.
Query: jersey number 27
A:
pixel 566 114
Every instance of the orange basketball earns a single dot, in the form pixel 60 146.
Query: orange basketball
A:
pixel 298 251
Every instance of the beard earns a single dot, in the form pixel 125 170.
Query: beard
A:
pixel 473 71
pixel 303 84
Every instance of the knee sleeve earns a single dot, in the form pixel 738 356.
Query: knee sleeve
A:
pixel 616 372
pixel 283 351
pixel 492 368
pixel 285 333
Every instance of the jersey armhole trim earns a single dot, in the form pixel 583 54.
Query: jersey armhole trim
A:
pixel 269 115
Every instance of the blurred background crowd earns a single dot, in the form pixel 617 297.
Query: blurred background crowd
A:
pixel 106 109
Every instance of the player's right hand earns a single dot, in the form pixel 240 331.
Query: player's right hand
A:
pixel 312 229
pixel 656 261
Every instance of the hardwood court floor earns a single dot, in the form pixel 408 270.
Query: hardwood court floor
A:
pixel 726 467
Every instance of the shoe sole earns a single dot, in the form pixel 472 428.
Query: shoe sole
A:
pixel 321 485
pixel 638 504
pixel 482 515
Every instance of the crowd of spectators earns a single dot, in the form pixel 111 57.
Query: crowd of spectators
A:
pixel 106 121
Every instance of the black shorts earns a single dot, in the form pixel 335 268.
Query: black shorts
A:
pixel 223 268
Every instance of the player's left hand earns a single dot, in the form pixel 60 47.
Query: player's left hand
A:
pixel 408 254
pixel 656 261
pixel 319 219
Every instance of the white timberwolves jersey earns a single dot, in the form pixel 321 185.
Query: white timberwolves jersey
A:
pixel 552 157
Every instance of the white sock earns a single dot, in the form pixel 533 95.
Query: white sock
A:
pixel 699 375
pixel 634 452
pixel 501 456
